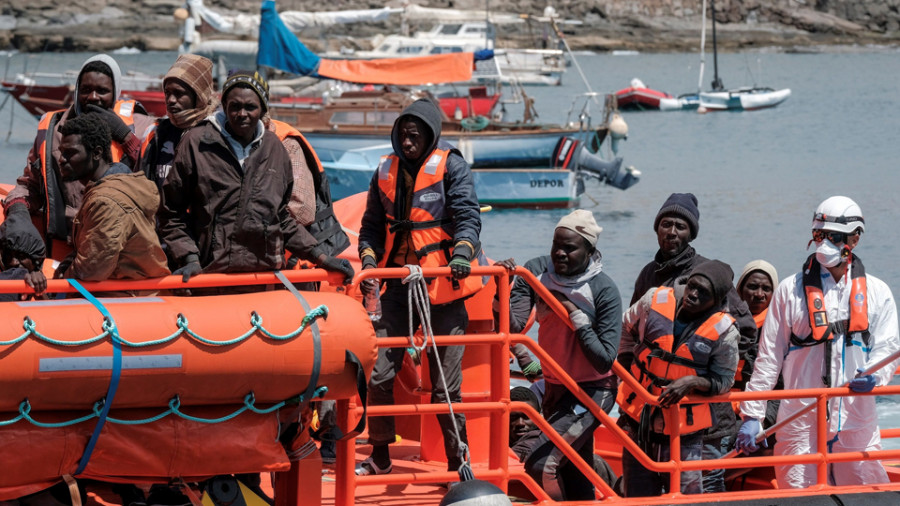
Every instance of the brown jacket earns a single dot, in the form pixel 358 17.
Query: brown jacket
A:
pixel 234 218
pixel 114 232
pixel 31 187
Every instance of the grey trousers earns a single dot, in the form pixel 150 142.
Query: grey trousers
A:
pixel 446 319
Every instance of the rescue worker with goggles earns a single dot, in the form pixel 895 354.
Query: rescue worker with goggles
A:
pixel 825 326
pixel 421 210
pixel 40 191
pixel 678 341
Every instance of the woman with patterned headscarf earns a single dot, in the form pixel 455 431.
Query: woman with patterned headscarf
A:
pixel 190 99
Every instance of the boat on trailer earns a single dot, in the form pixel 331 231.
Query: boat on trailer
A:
pixel 64 380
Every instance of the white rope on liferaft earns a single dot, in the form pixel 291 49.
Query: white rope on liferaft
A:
pixel 417 297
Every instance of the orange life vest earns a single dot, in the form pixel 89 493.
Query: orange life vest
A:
pixel 823 331
pixel 656 364
pixel 429 227
pixel 758 319
pixel 54 217
pixel 325 226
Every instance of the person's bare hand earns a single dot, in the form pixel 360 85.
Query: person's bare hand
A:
pixel 566 303
pixel 676 390
pixel 509 263
pixel 36 280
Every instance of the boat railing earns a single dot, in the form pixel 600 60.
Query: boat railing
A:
pixel 496 467
pixel 499 406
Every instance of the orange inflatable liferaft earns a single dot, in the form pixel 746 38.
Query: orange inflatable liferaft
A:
pixel 190 366
pixel 54 375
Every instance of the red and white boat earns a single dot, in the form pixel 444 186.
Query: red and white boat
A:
pixel 638 97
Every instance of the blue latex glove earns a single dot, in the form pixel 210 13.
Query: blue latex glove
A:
pixel 746 438
pixel 862 384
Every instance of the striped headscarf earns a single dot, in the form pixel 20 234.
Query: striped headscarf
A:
pixel 195 72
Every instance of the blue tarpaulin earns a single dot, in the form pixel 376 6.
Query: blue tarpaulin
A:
pixel 279 48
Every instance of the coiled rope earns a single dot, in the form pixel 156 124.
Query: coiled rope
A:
pixel 417 297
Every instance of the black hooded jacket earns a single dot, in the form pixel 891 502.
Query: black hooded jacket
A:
pixel 459 188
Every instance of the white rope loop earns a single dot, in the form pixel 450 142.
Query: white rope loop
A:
pixel 418 294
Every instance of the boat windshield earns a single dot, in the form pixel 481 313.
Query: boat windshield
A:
pixel 410 49
pixel 449 29
pixel 359 118
pixel 446 49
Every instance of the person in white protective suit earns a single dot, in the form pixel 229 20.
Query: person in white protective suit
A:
pixel 826 325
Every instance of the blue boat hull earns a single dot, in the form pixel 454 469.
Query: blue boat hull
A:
pixel 496 187
pixel 506 150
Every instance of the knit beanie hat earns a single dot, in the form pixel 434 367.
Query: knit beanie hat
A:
pixel 251 78
pixel 581 221
pixel 525 394
pixel 719 275
pixel 758 266
pixel 682 205
pixel 195 72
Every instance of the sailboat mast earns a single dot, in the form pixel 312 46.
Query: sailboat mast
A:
pixel 716 83
pixel 702 47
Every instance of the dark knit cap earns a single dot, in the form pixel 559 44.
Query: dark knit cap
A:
pixel 682 205
pixel 525 394
pixel 250 79
pixel 719 275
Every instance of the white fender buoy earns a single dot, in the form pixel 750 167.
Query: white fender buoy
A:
pixel 702 110
pixel 475 493
pixel 618 129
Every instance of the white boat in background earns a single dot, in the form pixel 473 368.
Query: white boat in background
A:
pixel 458 31
pixel 524 66
pixel 746 98
pixel 637 97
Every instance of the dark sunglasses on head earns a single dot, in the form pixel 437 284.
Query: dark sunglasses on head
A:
pixel 834 237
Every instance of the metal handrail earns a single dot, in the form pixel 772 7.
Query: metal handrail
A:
pixel 499 405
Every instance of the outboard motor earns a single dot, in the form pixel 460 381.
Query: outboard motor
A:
pixel 570 154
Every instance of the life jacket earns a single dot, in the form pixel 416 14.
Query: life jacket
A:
pixel 824 331
pixel 55 207
pixel 759 320
pixel 156 157
pixel 429 227
pixel 325 226
pixel 656 364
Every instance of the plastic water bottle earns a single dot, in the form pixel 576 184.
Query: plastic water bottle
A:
pixel 372 303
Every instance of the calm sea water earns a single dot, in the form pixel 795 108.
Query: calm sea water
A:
pixel 758 175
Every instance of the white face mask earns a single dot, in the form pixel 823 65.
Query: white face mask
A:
pixel 827 254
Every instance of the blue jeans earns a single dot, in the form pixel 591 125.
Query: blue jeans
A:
pixel 714 479
pixel 641 482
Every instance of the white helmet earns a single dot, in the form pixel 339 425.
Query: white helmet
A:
pixel 839 214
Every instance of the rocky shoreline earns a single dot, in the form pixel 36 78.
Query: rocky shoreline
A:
pixel 634 25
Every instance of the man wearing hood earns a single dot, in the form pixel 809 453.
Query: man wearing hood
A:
pixel 681 341
pixel 115 229
pixel 677 224
pixel 40 191
pixel 421 210
pixel 585 347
